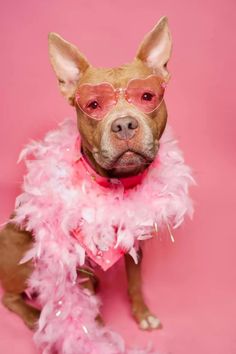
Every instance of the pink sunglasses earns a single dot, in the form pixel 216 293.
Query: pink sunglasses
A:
pixel 97 100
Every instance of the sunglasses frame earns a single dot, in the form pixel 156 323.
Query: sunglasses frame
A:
pixel 122 90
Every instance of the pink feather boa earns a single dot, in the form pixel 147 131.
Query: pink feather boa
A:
pixel 56 200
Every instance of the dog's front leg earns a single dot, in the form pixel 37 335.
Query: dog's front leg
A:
pixel 140 311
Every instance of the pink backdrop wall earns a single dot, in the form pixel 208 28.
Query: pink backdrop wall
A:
pixel 190 284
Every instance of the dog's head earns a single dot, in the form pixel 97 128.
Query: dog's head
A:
pixel 121 112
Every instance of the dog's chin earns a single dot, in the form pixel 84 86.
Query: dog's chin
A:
pixel 129 164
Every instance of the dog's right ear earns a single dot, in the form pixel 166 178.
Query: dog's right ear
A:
pixel 68 64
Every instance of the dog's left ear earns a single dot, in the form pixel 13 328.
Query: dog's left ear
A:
pixel 155 49
pixel 68 63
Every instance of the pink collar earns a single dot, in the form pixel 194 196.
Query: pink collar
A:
pixel 128 182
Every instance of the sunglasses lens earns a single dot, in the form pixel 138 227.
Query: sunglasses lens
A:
pixel 95 100
pixel 146 94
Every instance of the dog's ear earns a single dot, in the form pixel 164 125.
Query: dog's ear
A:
pixel 155 49
pixel 68 64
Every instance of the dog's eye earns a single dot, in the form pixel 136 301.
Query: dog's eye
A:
pixel 147 96
pixel 93 105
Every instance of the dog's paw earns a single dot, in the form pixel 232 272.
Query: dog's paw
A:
pixel 144 317
pixel 150 322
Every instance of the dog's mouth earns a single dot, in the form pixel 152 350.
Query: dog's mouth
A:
pixel 129 158
pixel 129 163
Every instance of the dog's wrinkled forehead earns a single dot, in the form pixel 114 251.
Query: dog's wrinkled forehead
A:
pixel 117 76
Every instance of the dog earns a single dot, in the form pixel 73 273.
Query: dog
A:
pixel 119 139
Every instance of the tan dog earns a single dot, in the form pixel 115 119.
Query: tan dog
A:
pixel 120 145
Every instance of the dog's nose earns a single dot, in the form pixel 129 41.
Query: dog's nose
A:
pixel 125 127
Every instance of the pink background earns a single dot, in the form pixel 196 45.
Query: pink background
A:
pixel 190 284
